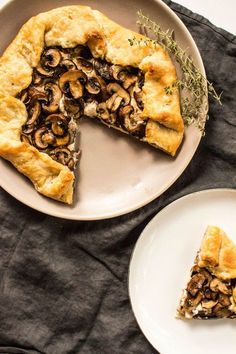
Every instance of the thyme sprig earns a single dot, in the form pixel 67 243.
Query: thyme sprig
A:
pixel 193 85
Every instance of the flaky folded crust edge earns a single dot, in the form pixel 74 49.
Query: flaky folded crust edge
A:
pixel 218 253
pixel 68 27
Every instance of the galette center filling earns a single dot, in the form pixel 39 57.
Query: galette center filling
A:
pixel 206 296
pixel 70 83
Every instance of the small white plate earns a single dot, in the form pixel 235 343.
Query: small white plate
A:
pixel 160 267
pixel 117 174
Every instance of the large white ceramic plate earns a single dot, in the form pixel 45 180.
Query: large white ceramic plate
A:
pixel 117 174
pixel 160 267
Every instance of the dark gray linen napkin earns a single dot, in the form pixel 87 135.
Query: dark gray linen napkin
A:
pixel 63 284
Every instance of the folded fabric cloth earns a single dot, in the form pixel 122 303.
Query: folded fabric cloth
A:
pixel 63 284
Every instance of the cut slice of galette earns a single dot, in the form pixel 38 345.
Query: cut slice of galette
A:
pixel 211 291
pixel 74 62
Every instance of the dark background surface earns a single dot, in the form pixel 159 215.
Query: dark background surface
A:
pixel 63 284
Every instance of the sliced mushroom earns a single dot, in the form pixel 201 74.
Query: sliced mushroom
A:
pixel 141 80
pixel 48 138
pixel 58 123
pixel 84 65
pixel 195 269
pixel 93 86
pixel 37 79
pixel 62 141
pixel 132 121
pixel 114 102
pixel 113 118
pixel 44 71
pixel 68 65
pixel 24 97
pixel 221 311
pixel 119 97
pixel 72 107
pixel 52 57
pixel 54 96
pixel 25 139
pixel 103 69
pixel 63 156
pixel 124 75
pixel 116 70
pixel 210 295
pixel 208 304
pixel 74 82
pixel 28 128
pixel 33 113
pixel 102 111
pixel 125 112
pixel 127 79
pixel 234 294
pixel 71 164
pixel 207 275
pixel 224 300
pixel 138 96
pixel 218 286
pixel 193 301
pixel 195 284
pixel 36 95
pixel 43 137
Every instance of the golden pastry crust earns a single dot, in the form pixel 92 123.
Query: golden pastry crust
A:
pixel 218 253
pixel 48 176
pixel 68 27
pixel 162 137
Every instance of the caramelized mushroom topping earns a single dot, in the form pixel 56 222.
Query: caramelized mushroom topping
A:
pixel 68 65
pixel 54 95
pixel 84 65
pixel 69 83
pixel 52 58
pixel 103 69
pixel 43 137
pixel 196 284
pixel 64 140
pixel 102 111
pixel 208 304
pixel 72 107
pixel 132 121
pixel 34 112
pixel 25 139
pixel 218 286
pixel 44 71
pixel 124 75
pixel 64 156
pixel 119 97
pixel 58 124
pixel 207 296
pixel 35 95
pixel 93 86
pixel 138 96
pixel 73 82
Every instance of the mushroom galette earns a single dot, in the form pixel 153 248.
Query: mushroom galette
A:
pixel 74 62
pixel 211 290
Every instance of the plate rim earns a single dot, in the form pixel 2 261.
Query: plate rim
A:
pixel 141 236
pixel 148 199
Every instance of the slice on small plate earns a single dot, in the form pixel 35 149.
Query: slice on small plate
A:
pixel 159 269
pixel 211 293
